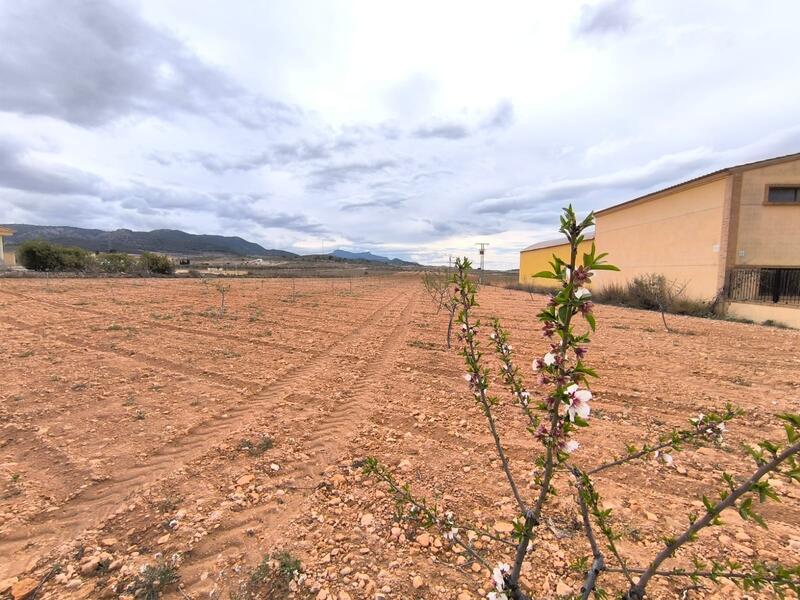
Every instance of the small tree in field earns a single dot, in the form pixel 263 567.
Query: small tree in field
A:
pixel 437 285
pixel 556 413
pixel 223 289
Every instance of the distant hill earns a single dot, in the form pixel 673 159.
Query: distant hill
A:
pixel 369 256
pixel 170 241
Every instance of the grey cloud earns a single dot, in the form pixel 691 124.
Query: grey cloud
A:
pixel 448 131
pixel 18 171
pixel 665 169
pixel 91 62
pixel 502 117
pixel 277 154
pixel 246 207
pixel 378 202
pixel 331 176
pixel 606 16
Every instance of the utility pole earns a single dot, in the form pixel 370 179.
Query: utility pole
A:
pixel 482 252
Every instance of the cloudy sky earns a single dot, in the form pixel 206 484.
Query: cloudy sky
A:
pixel 413 129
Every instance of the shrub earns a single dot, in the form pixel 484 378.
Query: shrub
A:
pixel 39 255
pixel 116 262
pixel 159 264
pixel 653 292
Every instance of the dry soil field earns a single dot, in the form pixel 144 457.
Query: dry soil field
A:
pixel 131 422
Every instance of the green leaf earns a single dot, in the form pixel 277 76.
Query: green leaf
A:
pixel 545 275
pixel 592 323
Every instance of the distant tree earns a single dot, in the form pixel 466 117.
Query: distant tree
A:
pixel 39 255
pixel 160 264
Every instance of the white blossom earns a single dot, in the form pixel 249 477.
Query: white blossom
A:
pixel 579 402
pixel 549 359
pixel 498 578
pixel 570 446
pixel 582 292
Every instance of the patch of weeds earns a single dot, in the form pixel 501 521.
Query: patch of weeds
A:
pixel 25 354
pixel 739 380
pixel 77 387
pixel 289 566
pixel 616 326
pixel 776 324
pixel 161 317
pixel 129 401
pixel 275 577
pixel 114 327
pixel 423 345
pixel 169 503
pixel 255 448
pixel 152 580
pixel 139 415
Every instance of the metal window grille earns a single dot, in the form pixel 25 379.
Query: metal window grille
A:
pixel 764 284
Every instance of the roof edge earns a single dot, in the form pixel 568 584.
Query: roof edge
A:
pixel 554 243
pixel 703 179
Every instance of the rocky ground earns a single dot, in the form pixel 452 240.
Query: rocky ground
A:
pixel 150 445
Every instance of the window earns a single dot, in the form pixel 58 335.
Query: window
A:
pixel 782 194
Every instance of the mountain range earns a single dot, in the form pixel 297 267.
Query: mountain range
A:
pixel 369 256
pixel 171 241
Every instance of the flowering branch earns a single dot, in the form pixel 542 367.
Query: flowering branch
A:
pixel 476 376
pixel 709 427
pixel 428 515
pixel 636 592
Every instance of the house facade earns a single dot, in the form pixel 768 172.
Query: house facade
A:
pixel 6 259
pixel 733 235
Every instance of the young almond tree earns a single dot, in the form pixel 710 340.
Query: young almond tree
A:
pixel 437 285
pixel 562 405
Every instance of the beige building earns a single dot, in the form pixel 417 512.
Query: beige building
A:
pixel 733 235
pixel 5 260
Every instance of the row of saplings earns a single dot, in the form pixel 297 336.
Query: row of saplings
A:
pixel 39 255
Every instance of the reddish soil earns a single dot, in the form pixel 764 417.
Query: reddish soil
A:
pixel 125 403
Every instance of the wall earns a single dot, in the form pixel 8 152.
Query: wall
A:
pixel 768 235
pixel 676 234
pixel 785 315
pixel 533 261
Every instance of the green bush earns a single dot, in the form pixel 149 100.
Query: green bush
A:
pixel 159 264
pixel 116 262
pixel 39 255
